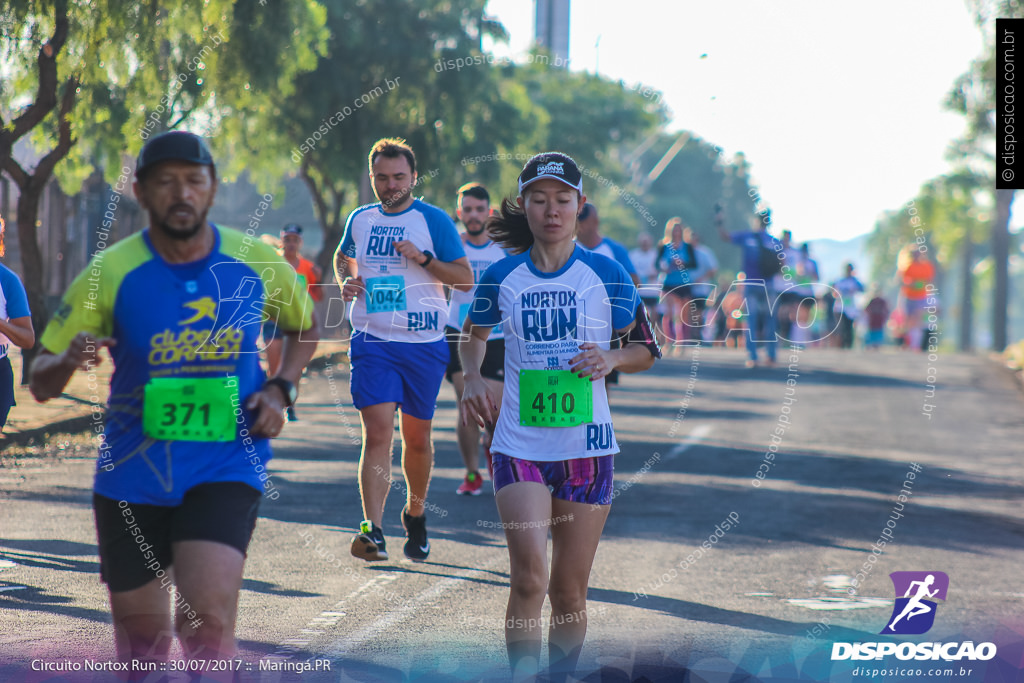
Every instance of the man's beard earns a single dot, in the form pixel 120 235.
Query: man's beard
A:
pixel 397 198
pixel 181 234
pixel 474 233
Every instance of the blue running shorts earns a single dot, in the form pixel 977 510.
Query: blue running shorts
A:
pixel 406 373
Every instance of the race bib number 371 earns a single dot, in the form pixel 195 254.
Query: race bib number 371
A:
pixel 555 398
pixel 190 408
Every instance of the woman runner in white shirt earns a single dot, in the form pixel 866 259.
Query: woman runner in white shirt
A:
pixel 559 306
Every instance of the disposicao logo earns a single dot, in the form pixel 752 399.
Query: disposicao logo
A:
pixel 913 614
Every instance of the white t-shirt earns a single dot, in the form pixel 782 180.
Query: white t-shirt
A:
pixel 546 316
pixel 646 263
pixel 403 301
pixel 706 262
pixel 480 259
pixel 613 250
pixel 779 281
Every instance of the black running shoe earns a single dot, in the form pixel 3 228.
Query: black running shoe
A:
pixel 417 547
pixel 291 414
pixel 369 543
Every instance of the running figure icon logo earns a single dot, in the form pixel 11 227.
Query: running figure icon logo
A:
pixel 914 612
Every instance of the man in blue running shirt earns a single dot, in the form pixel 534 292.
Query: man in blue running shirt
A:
pixel 186 440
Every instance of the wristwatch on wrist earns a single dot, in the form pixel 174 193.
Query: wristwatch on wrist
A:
pixel 288 389
pixel 430 257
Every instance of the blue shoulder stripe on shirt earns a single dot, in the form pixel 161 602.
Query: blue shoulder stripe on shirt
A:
pixel 348 244
pixel 622 295
pixel 484 310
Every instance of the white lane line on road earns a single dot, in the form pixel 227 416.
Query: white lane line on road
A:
pixel 694 437
pixel 353 642
pixel 328 618
pixel 319 624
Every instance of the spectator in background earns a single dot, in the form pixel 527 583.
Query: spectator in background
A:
pixel 784 283
pixel 701 286
pixel 806 277
pixel 758 292
pixel 828 313
pixel 588 235
pixel 309 277
pixel 734 320
pixel 645 259
pixel 676 259
pixel 15 328
pixel 848 288
pixel 916 272
pixel 877 312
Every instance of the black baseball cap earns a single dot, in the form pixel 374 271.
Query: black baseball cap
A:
pixel 553 165
pixel 175 145
pixel 292 229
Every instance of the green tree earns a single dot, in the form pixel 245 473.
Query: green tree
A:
pixel 973 95
pixel 87 82
pixel 384 74
pixel 686 176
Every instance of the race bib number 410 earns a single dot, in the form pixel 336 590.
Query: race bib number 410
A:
pixel 555 398
pixel 190 408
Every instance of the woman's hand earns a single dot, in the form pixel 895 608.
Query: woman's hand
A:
pixel 593 361
pixel 478 402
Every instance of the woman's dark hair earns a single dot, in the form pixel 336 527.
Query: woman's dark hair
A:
pixel 510 228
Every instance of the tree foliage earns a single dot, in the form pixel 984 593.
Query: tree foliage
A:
pixel 86 82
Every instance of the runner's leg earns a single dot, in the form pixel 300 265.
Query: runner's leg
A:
pixel 142 622
pixel 209 576
pixel 378 423
pixel 468 434
pixel 575 533
pixel 525 509
pixel 417 461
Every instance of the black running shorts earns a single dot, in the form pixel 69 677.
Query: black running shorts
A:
pixel 135 538
pixel 494 357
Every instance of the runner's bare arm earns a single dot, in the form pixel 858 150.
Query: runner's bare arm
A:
pixel 478 404
pixel 297 350
pixel 455 273
pixel 19 331
pixel 346 271
pixel 51 372
pixel 344 266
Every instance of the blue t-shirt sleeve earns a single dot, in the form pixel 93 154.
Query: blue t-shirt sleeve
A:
pixel 14 293
pixel 738 237
pixel 444 235
pixel 622 256
pixel 622 295
pixel 348 243
pixel 484 310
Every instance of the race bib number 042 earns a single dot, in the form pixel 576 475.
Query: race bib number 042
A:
pixel 385 293
pixel 190 408
pixel 555 398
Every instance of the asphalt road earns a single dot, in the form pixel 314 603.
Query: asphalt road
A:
pixel 767 599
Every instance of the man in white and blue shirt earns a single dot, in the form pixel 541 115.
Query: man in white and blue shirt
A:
pixel 393 262
pixel 473 208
